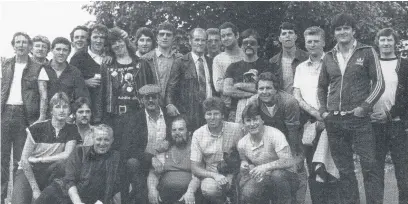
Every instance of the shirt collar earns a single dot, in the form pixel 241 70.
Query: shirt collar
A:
pixel 354 46
pixel 159 53
pixel 92 54
pixel 160 114
pixel 310 62
pixel 221 133
pixel 196 57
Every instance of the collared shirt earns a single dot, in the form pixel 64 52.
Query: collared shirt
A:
pixel 209 148
pixel 207 73
pixel 156 132
pixel 164 63
pixel 97 58
pixel 266 151
pixel 220 65
pixel 16 98
pixel 287 74
pixel 344 60
pixel 306 80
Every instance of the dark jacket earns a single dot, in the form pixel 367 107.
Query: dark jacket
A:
pixel 182 90
pixel 276 62
pixel 29 87
pixel 361 85
pixel 401 97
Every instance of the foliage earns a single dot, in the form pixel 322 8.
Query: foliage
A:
pixel 265 17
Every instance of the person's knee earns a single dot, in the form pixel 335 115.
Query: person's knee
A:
pixel 210 188
pixel 133 165
pixel 250 193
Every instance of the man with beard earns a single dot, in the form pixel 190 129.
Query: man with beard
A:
pixel 232 53
pixel 241 76
pixel 82 115
pixel 286 61
pixel 208 146
pixel 161 59
pixel 89 62
pixel 41 47
pixel 175 182
pixel 190 81
pixel 23 102
pixel 280 110
pixel 350 83
pixel 144 137
pixel 63 76
pixel 144 40
pixel 213 42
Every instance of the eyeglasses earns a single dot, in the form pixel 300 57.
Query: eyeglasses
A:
pixel 162 34
pixel 150 97
pixel 249 43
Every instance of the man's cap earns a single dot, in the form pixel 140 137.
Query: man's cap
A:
pixel 149 89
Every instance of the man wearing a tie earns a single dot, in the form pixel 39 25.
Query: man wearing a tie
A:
pixel 190 82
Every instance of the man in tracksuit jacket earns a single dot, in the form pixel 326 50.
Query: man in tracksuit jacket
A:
pixel 350 83
pixel 390 113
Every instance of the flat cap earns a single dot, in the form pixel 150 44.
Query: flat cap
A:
pixel 149 89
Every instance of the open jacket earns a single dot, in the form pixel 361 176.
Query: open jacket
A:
pixel 29 87
pixel 401 97
pixel 361 85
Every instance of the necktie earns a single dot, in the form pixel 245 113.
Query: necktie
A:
pixel 201 79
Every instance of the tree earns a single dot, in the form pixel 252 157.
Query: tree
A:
pixel 265 17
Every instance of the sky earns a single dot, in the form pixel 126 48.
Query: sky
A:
pixel 49 18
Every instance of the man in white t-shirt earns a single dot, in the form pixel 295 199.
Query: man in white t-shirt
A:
pixel 23 101
pixel 390 113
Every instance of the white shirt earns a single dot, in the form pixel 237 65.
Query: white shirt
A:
pixel 387 99
pixel 15 97
pixel 156 132
pixel 343 62
pixel 306 80
pixel 220 65
pixel 97 58
pixel 207 73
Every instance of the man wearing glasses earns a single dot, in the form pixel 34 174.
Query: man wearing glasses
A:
pixel 240 77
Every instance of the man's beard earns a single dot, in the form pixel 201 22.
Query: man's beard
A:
pixel 181 143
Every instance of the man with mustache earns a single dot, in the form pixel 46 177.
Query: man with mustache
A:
pixel 41 47
pixel 63 76
pixel 350 83
pixel 190 81
pixel 89 62
pixel 161 60
pixel 232 53
pixel 144 137
pixel 175 182
pixel 23 102
pixel 209 144
pixel 286 61
pixel 144 40
pixel 241 76
pixel 280 110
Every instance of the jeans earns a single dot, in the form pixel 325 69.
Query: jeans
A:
pixel 392 137
pixel 348 134
pixel 13 133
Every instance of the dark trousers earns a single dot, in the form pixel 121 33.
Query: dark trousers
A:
pixel 392 137
pixel 13 133
pixel 136 175
pixel 53 194
pixel 348 134
pixel 43 173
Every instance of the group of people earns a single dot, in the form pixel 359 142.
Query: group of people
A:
pixel 116 120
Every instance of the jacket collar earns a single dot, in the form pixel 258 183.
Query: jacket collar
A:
pixel 358 45
pixel 298 55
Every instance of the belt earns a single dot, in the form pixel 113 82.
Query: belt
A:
pixel 342 113
pixel 122 109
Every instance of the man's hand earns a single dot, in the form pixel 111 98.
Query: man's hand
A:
pixel 379 117
pixel 316 114
pixel 320 125
pixel 359 112
pixel 157 165
pixel 324 115
pixel 258 172
pixel 154 197
pixel 34 160
pixel 220 179
pixel 36 194
pixel 172 110
pixel 93 82
pixel 162 146
pixel 244 167
pixel 188 198
pixel 107 59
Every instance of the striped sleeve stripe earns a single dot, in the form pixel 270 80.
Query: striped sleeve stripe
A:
pixel 379 84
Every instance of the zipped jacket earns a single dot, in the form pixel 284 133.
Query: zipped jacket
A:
pixel 361 85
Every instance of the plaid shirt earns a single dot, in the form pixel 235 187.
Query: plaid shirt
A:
pixel 156 132
pixel 209 148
